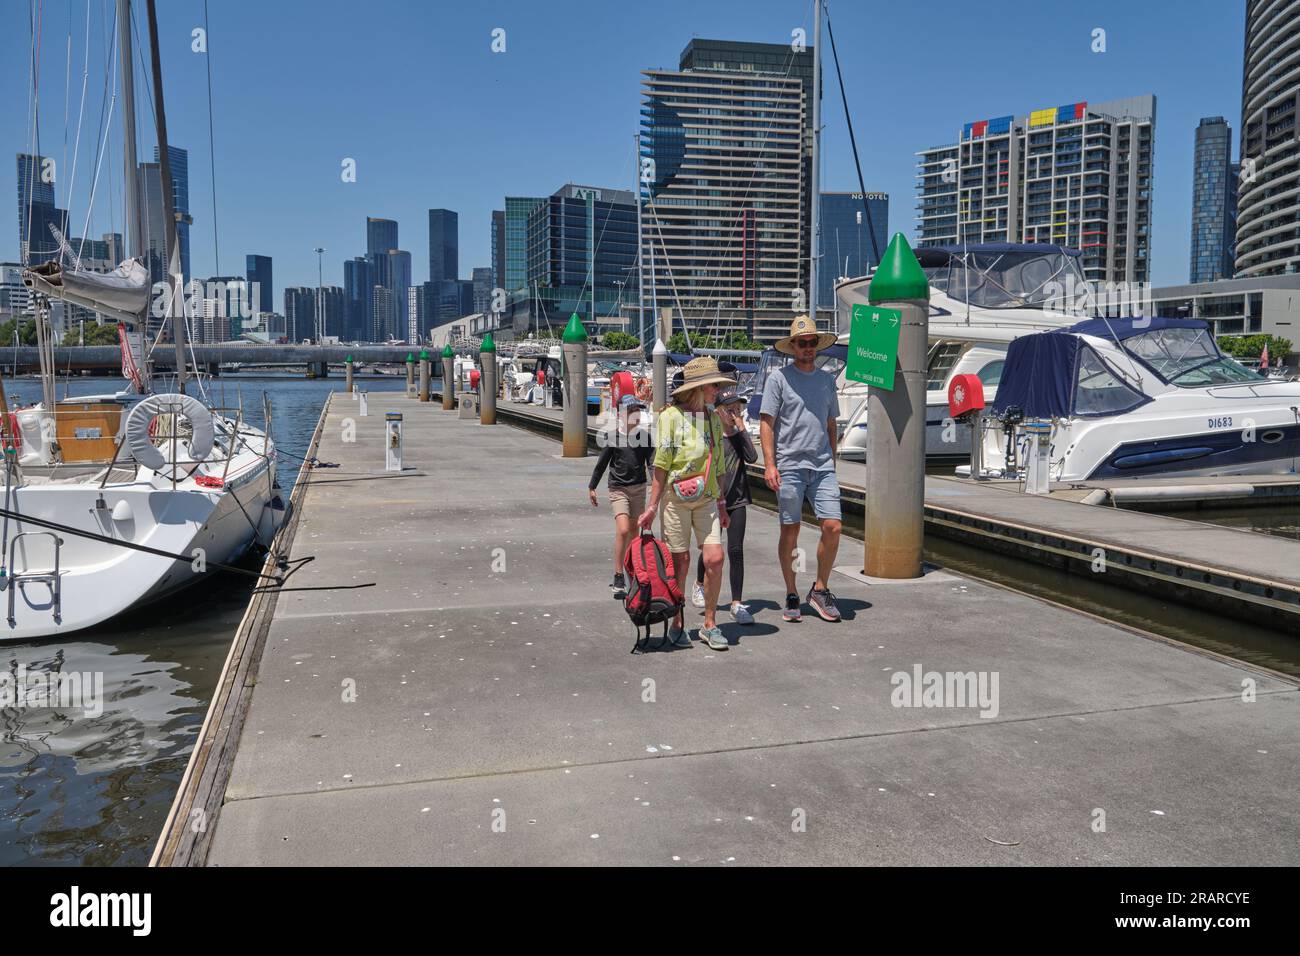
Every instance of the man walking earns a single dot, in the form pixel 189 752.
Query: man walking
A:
pixel 798 435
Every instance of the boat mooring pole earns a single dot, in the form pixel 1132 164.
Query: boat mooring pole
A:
pixel 487 399
pixel 348 366
pixel 425 373
pixel 660 359
pixel 410 376
pixel 574 350
pixel 448 379
pixel 895 513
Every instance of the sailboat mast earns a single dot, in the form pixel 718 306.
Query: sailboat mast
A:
pixel 168 202
pixel 131 175
pixel 815 196
pixel 640 261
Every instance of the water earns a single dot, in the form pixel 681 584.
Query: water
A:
pixel 78 788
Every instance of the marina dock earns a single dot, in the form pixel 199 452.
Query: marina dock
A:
pixel 1251 577
pixel 478 704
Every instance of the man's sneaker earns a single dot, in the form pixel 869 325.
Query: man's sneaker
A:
pixel 619 587
pixel 740 614
pixel 714 637
pixel 823 602
pixel 697 596
pixel 679 637
pixel 792 611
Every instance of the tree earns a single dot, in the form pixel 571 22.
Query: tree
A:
pixel 96 334
pixel 1251 346
pixel 734 340
pixel 26 334
pixel 618 341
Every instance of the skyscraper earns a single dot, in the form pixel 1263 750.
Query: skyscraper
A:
pixel 35 188
pixel 1268 203
pixel 516 240
pixel 299 313
pixel 725 218
pixel 179 160
pixel 499 248
pixel 845 248
pixel 381 311
pixel 1078 175
pixel 444 242
pixel 399 280
pixel 381 235
pixel 1214 202
pixel 257 269
pixel 481 277
pixel 357 286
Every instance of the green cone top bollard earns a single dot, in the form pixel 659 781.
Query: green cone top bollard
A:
pixel 574 350
pixel 487 399
pixel 425 374
pixel 410 376
pixel 448 379
pixel 895 519
pixel 348 365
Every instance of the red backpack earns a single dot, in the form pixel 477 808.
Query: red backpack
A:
pixel 652 592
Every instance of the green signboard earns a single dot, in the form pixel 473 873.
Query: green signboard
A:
pixel 873 346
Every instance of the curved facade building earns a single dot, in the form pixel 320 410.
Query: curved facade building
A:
pixel 1268 204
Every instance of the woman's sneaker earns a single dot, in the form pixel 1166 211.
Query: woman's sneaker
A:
pixel 792 611
pixel 619 587
pixel 678 636
pixel 823 602
pixel 697 596
pixel 714 637
pixel 740 614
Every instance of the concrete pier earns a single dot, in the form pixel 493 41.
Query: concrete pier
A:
pixel 478 705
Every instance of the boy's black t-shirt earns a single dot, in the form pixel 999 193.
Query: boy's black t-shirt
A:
pixel 627 463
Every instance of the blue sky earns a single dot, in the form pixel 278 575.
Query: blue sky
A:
pixel 433 118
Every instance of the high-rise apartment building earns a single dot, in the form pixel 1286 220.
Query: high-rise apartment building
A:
pixel 257 269
pixel 848 223
pixel 444 245
pixel 481 278
pixel 1078 175
pixel 35 188
pixel 399 280
pixel 299 313
pixel 357 286
pixel 725 215
pixel 1214 202
pixel 499 249
pixel 381 235
pixel 1268 191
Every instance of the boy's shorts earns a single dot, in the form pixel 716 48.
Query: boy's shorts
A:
pixel 628 500
pixel 820 488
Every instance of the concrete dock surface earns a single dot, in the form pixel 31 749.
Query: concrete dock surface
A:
pixel 499 718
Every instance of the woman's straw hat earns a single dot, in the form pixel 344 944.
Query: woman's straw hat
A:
pixel 701 370
pixel 801 326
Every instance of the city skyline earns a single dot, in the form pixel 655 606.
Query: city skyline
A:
pixel 306 122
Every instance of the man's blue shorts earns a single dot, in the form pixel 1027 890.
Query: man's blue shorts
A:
pixel 820 488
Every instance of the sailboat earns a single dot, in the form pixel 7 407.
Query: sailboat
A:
pixel 114 501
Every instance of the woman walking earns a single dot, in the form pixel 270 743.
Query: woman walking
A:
pixel 686 466
pixel 738 452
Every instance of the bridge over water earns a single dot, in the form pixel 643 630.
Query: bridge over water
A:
pixel 209 357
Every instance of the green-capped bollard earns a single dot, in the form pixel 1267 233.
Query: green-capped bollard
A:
pixel 410 376
pixel 487 393
pixel 348 366
pixel 659 395
pixel 424 375
pixel 574 350
pixel 895 493
pixel 448 379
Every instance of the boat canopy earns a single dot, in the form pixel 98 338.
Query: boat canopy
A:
pixel 1003 275
pixel 1126 328
pixel 1059 375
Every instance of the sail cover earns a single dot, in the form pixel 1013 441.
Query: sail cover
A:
pixel 122 293
pixel 1039 375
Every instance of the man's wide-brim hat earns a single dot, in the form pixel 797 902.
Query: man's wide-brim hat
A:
pixel 801 326
pixel 701 370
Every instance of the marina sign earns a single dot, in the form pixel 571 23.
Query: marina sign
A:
pixel 873 346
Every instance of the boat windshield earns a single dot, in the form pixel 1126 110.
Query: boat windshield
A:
pixel 1007 280
pixel 1187 358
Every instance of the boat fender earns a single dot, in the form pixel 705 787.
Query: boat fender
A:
pixel 138 426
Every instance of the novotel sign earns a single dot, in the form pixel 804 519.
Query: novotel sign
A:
pixel 869 195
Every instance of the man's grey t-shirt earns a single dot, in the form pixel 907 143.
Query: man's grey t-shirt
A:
pixel 801 404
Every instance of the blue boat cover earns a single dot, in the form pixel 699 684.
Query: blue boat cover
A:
pixel 1127 328
pixel 1039 375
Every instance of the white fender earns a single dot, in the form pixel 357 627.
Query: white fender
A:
pixel 137 428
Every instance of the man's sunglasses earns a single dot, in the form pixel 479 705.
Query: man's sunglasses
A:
pixel 806 343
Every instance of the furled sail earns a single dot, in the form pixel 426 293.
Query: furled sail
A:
pixel 122 294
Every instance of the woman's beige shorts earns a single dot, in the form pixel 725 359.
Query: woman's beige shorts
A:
pixel 628 500
pixel 680 517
